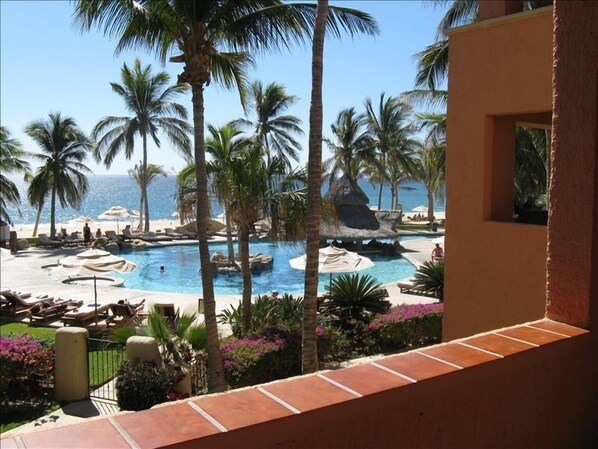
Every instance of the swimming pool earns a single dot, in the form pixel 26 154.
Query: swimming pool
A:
pixel 181 273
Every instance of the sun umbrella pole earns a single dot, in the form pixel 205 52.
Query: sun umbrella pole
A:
pixel 95 298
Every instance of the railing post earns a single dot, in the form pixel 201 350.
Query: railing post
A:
pixel 71 372
pixel 143 349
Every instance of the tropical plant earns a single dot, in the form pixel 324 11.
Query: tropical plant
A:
pixel 214 40
pixel 223 145
pixel 142 385
pixel 274 131
pixel 64 149
pixel 429 278
pixel 352 296
pixel 531 168
pixel 351 146
pixel 152 171
pixel 11 152
pixel 267 316
pixel 389 129
pixel 430 171
pixel 149 99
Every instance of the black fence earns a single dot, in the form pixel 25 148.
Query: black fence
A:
pixel 198 368
pixel 104 358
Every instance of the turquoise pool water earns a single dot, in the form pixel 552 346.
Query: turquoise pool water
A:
pixel 182 270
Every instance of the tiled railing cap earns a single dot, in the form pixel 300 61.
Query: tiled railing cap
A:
pixel 202 417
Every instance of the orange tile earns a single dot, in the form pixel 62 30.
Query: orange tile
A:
pixel 560 328
pixel 92 434
pixel 308 393
pixel 497 344
pixel 416 366
pixel 531 335
pixel 366 379
pixel 242 408
pixel 459 355
pixel 164 426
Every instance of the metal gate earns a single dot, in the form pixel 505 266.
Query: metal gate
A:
pixel 104 358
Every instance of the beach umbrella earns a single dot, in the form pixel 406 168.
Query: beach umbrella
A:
pixel 439 240
pixel 420 209
pixel 116 212
pixel 92 262
pixel 6 254
pixel 81 219
pixel 335 260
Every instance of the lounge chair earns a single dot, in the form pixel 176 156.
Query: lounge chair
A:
pixel 73 240
pixel 12 304
pixel 130 235
pixel 44 240
pixel 170 312
pixel 155 237
pixel 172 233
pixel 111 235
pixel 407 286
pixel 125 315
pixel 86 317
pixel 186 232
pixel 47 311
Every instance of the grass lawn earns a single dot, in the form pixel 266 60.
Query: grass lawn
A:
pixel 48 333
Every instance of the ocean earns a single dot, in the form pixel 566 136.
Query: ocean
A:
pixel 120 190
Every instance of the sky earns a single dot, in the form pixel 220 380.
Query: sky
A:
pixel 48 65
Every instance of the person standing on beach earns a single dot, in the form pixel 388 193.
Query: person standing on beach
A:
pixel 86 234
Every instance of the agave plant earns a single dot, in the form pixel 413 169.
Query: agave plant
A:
pixel 355 297
pixel 430 278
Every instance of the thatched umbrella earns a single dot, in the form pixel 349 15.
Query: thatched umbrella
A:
pixel 351 218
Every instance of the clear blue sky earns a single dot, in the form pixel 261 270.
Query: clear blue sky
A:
pixel 47 65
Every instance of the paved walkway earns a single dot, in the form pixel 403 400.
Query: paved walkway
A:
pixel 23 272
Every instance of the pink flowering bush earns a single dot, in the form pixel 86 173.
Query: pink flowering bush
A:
pixel 26 371
pixel 408 326
pixel 258 359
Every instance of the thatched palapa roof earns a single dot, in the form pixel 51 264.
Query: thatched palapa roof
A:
pixel 352 219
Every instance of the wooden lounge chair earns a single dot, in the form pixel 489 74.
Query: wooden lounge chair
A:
pixel 130 235
pixel 155 237
pixel 125 315
pixel 186 232
pixel 47 311
pixel 407 286
pixel 12 304
pixel 44 240
pixel 111 235
pixel 86 317
pixel 172 233
pixel 73 240
pixel 170 312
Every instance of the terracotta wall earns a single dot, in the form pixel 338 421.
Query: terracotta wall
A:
pixel 495 269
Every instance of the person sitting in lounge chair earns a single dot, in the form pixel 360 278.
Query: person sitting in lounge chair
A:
pixel 437 252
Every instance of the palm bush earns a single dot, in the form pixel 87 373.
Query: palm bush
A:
pixel 355 297
pixel 430 278
pixel 284 313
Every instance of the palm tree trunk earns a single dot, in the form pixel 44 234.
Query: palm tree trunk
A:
pixel 393 196
pixel 309 353
pixel 146 228
pixel 37 217
pixel 53 213
pixel 216 380
pixel 245 270
pixel 380 195
pixel 229 234
pixel 431 209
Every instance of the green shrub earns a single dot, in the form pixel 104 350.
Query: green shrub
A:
pixel 408 326
pixel 142 385
pixel 430 278
pixel 355 297
pixel 284 313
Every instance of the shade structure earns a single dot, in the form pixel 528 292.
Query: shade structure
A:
pixel 421 208
pixel 335 260
pixel 81 219
pixel 92 262
pixel 116 213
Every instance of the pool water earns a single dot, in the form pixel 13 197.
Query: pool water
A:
pixel 181 273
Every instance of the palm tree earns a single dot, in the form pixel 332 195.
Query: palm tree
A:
pixel 223 145
pixel 64 149
pixel 149 98
pixel 11 152
pixel 390 131
pixel 430 171
pixel 353 143
pixel 272 129
pixel 214 38
pixel 152 171
pixel 309 348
